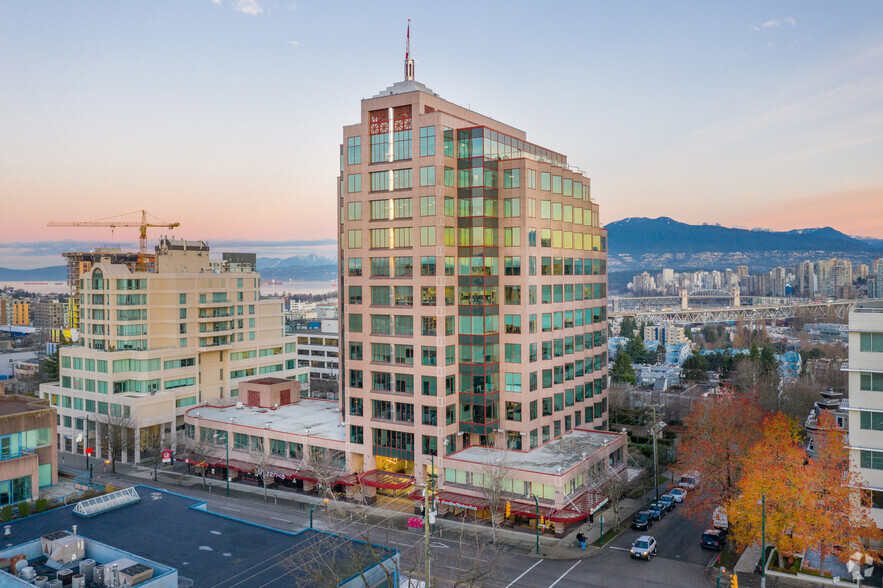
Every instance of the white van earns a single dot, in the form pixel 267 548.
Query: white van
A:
pixel 689 481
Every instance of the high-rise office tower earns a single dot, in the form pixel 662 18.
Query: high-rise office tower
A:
pixel 473 286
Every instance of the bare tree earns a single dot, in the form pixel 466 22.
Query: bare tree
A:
pixel 327 467
pixel 198 451
pixel 494 484
pixel 615 484
pixel 116 431
pixel 261 459
pixel 152 445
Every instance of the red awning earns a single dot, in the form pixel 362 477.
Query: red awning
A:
pixel 567 515
pixel 348 480
pixel 461 501
pixel 386 480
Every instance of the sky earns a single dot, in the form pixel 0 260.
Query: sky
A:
pixel 227 115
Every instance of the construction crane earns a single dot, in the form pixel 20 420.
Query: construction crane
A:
pixel 113 223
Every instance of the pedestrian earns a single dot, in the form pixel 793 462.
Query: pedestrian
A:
pixel 581 540
pixel 591 518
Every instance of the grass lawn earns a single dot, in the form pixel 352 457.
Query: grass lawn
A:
pixel 790 568
pixel 728 557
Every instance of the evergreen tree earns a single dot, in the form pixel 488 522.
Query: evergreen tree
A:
pixel 635 349
pixel 696 368
pixel 49 367
pixel 622 369
pixel 660 353
pixel 688 333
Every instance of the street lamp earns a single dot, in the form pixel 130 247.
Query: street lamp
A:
pixel 427 490
pixel 312 508
pixel 763 540
pixel 227 448
pixel 537 503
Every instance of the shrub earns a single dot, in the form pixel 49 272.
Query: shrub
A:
pixel 6 513
pixel 40 505
pixel 109 488
pixel 24 509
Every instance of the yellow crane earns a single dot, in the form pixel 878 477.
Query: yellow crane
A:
pixel 114 222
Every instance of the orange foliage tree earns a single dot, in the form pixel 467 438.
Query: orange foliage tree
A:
pixel 773 469
pixel 836 517
pixel 717 434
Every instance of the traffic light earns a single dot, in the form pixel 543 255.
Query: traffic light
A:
pixel 508 509
pixel 542 520
pixel 735 583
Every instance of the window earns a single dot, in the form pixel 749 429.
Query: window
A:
pixel 401 179
pixel 427 266
pixel 427 235
pixel 427 206
pixel 401 236
pixel 512 207
pixel 354 239
pixel 872 342
pixel 428 356
pixel 379 181
pixel 380 295
pixel 404 296
pixel 513 324
pixel 872 460
pixel 404 354
pixel 513 411
pixel 355 296
pixel 355 323
pixel 404 325
pixel 545 181
pixel 512 178
pixel 429 325
pixel 379 267
pixel 427 141
pixel 871 382
pixel 449 182
pixel 356 351
pixel 427 295
pixel 401 143
pixel 355 267
pixel 353 150
pixel 427 175
pixel 380 324
pixel 402 208
pixel 379 238
pixel 513 353
pixel 872 420
pixel 353 183
pixel 356 379
pixel 512 294
pixel 428 386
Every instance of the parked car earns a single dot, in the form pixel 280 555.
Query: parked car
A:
pixel 668 500
pixel 642 520
pixel 679 494
pixel 689 481
pixel 643 547
pixel 713 539
pixel 656 510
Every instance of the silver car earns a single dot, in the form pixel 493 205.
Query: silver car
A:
pixel 643 547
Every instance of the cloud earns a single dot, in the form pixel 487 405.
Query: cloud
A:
pixel 775 22
pixel 295 43
pixel 216 1
pixel 250 7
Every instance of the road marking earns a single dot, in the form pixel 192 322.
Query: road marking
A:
pixel 620 548
pixel 565 573
pixel 280 519
pixel 512 583
pixel 229 508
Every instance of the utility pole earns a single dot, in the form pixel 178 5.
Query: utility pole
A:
pixel 763 540
pixel 426 533
pixel 655 458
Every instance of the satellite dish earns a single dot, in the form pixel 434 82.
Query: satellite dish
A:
pixel 75 335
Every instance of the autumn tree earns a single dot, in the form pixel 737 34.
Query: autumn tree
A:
pixel 771 491
pixel 717 435
pixel 834 515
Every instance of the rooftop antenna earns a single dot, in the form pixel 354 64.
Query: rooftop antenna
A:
pixel 409 63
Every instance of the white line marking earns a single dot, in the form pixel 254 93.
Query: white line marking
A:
pixel 512 583
pixel 620 548
pixel 229 508
pixel 565 573
pixel 283 520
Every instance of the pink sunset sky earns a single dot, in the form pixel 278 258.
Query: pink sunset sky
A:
pixel 226 115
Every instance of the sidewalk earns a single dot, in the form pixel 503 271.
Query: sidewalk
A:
pixel 395 509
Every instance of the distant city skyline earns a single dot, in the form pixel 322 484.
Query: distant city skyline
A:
pixel 225 115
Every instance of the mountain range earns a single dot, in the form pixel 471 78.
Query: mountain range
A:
pixel 653 243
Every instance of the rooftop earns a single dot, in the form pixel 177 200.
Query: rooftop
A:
pixel 310 416
pixel 20 404
pixel 565 453
pixel 212 549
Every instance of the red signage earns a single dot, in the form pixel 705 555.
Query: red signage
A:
pixel 90 450
pixel 167 456
pixel 415 523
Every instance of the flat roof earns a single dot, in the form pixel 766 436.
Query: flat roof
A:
pixel 268 381
pixel 17 404
pixel 319 417
pixel 565 453
pixel 209 548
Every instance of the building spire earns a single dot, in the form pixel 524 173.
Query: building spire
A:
pixel 409 63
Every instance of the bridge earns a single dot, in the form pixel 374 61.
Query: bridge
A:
pixel 838 309
pixel 730 298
